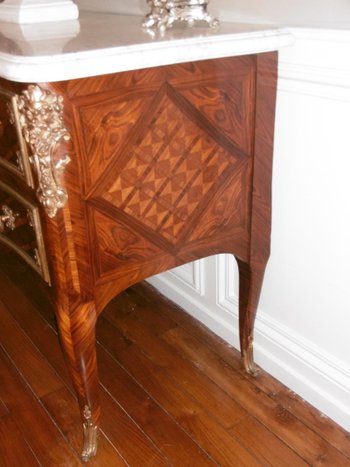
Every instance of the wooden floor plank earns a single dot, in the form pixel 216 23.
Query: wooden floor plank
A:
pixel 38 330
pixel 63 408
pixel 111 337
pixel 267 447
pixel 129 440
pixel 44 438
pixel 188 413
pixel 179 448
pixel 173 313
pixel 159 404
pixel 311 417
pixel 29 285
pixel 225 410
pixel 28 360
pixel 158 304
pixel 273 415
pixel 147 311
pixel 54 355
pixel 14 449
pixel 326 428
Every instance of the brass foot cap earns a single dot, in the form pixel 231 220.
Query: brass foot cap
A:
pixel 90 442
pixel 248 363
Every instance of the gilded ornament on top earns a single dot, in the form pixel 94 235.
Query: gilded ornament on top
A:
pixel 164 13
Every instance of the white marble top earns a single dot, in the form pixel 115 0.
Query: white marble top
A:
pixel 105 43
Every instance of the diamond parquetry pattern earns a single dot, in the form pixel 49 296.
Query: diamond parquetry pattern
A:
pixel 169 173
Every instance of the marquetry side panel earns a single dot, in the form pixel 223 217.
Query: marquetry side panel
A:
pixel 119 246
pixel 107 119
pixel 226 106
pixel 169 173
pixel 161 172
pixel 104 126
pixel 163 166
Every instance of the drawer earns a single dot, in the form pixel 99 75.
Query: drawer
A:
pixel 13 148
pixel 20 229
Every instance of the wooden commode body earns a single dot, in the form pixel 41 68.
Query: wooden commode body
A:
pixel 110 179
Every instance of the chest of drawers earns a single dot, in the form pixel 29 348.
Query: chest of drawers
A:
pixel 110 178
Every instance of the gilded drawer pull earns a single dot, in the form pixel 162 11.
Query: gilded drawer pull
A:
pixel 8 218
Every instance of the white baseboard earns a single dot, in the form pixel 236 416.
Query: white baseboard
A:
pixel 316 377
pixel 307 370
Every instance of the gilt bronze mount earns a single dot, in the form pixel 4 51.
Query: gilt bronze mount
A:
pixel 164 13
pixel 41 120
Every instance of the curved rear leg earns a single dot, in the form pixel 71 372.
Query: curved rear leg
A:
pixel 76 323
pixel 250 282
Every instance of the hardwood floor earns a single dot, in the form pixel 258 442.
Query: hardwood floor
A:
pixel 172 392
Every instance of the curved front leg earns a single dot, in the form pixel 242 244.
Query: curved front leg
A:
pixel 76 323
pixel 250 282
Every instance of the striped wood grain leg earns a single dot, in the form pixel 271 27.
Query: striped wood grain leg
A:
pixel 250 283
pixel 76 324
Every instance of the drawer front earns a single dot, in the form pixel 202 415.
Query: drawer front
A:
pixel 20 229
pixel 13 148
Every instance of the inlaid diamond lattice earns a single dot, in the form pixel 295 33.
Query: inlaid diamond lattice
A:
pixel 168 173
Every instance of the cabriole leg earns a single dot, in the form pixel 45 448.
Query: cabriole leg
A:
pixel 77 331
pixel 250 282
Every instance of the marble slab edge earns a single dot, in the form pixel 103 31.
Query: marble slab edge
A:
pixel 64 66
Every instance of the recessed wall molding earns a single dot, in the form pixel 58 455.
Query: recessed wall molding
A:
pixel 227 283
pixel 190 275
